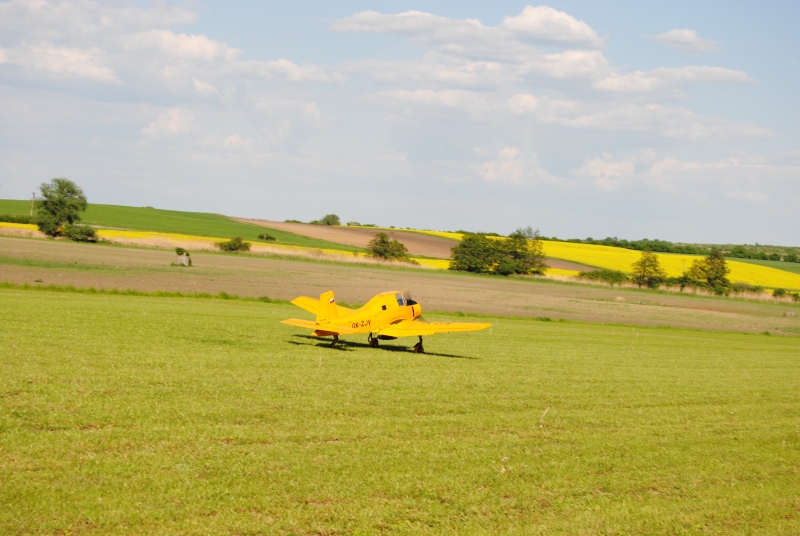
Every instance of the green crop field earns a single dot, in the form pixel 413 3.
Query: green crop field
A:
pixel 778 265
pixel 174 221
pixel 135 415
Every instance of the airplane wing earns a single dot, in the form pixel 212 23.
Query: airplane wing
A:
pixel 327 328
pixel 411 328
pixel 312 305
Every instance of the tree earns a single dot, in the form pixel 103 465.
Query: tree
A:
pixel 525 251
pixel 328 219
pixel 60 206
pixel 711 272
pixel 383 247
pixel 647 271
pixel 475 253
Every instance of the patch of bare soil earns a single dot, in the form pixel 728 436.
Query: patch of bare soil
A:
pixel 65 263
pixel 416 243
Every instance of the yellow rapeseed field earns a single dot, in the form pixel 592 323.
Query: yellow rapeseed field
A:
pixel 621 259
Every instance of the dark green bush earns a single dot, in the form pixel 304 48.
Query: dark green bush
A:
pixel 779 293
pixel 266 236
pixel 612 277
pixel 235 244
pixel 80 233
pixel 739 288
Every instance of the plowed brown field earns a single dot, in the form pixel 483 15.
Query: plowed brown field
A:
pixel 65 263
pixel 416 243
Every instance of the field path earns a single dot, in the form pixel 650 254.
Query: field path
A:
pixel 416 243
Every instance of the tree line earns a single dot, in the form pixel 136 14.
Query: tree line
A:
pixel 708 273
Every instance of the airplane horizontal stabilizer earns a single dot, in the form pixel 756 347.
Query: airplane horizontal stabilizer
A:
pixel 312 306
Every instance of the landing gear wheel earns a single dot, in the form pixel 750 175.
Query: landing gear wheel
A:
pixel 418 348
pixel 373 341
pixel 335 340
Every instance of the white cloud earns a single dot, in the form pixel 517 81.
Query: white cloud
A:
pixel 670 122
pixel 169 125
pixel 607 174
pixel 506 169
pixel 59 61
pixel 425 101
pixel 193 47
pixel 747 195
pixel 512 167
pixel 669 77
pixel 543 23
pixel 749 179
pixel 687 40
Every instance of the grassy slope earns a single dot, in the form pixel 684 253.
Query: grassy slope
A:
pixel 173 221
pixel 778 265
pixel 133 415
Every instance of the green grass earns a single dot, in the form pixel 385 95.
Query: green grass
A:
pixel 133 415
pixel 174 221
pixel 778 265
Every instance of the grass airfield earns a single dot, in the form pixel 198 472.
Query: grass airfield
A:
pixel 131 415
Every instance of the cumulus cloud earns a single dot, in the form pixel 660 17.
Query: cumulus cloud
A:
pixel 543 23
pixel 687 40
pixel 749 179
pixel 669 77
pixel 195 47
pixel 60 62
pixel 58 19
pixel 510 166
pixel 169 125
pixel 607 174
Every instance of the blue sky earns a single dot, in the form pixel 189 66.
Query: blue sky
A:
pixel 676 121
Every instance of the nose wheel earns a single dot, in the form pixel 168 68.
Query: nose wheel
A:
pixel 418 348
pixel 335 340
pixel 372 341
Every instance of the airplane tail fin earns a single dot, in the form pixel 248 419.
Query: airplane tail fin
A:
pixel 327 308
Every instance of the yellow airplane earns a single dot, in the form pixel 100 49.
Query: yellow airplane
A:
pixel 386 316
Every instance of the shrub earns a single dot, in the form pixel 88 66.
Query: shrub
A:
pixel 12 218
pixel 778 293
pixel 790 257
pixel 739 288
pixel 383 247
pixel 612 277
pixel 267 237
pixel 181 251
pixel 292 221
pixel 80 233
pixel 235 244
